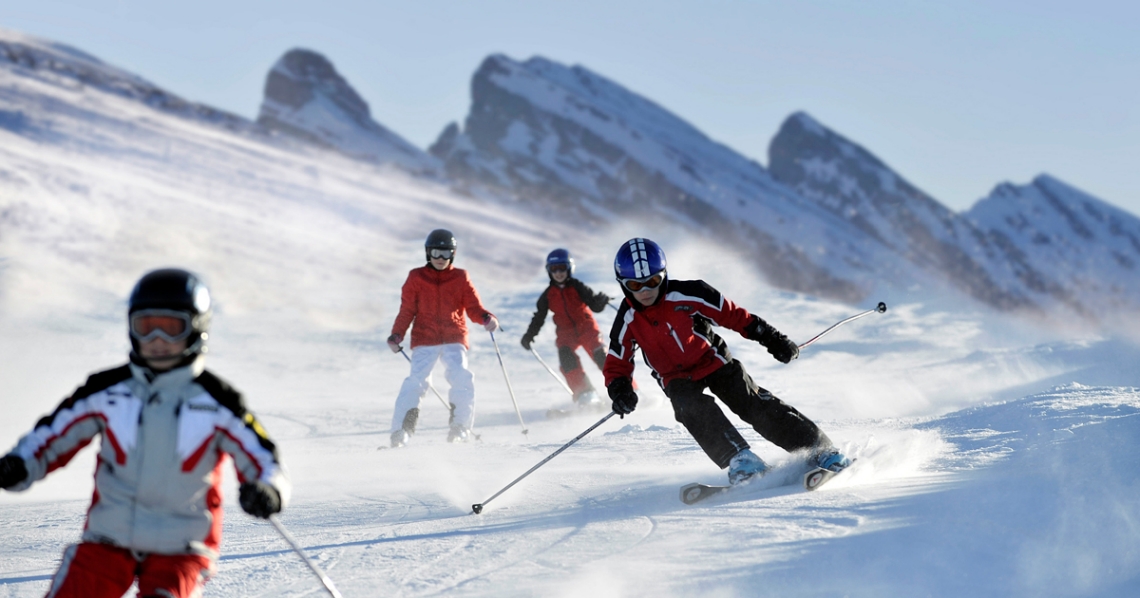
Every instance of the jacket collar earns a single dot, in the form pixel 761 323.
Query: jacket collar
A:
pixel 179 376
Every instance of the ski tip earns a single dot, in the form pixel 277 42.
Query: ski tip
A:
pixel 477 508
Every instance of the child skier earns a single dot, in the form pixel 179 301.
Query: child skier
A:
pixel 571 301
pixel 672 321
pixel 166 425
pixel 436 297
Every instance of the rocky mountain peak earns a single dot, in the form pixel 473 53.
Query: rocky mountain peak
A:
pixel 306 98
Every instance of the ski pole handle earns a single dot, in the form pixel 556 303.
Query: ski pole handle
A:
pixel 880 308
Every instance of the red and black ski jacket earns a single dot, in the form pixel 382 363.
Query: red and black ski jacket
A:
pixel 571 303
pixel 676 333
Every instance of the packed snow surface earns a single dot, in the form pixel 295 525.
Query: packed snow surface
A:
pixel 994 458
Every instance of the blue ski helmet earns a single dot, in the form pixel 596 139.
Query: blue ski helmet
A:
pixel 639 259
pixel 560 257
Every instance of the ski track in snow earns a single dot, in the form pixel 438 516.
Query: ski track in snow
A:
pixel 993 456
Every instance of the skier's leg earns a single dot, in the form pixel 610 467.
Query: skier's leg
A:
pixel 779 423
pixel 174 575
pixel 462 381
pixel 701 416
pixel 416 384
pixel 91 570
pixel 572 370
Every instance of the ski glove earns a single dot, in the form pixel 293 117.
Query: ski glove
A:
pixel 394 343
pixel 527 340
pixel 490 323
pixel 782 348
pixel 623 396
pixel 12 471
pixel 259 499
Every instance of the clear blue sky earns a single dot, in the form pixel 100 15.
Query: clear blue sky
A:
pixel 956 96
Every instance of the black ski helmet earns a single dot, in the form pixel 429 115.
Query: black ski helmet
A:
pixel 177 290
pixel 560 257
pixel 440 238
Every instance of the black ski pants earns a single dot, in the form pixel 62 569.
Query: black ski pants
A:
pixel 775 420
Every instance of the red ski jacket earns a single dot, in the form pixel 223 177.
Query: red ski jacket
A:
pixel 675 334
pixel 571 304
pixel 436 301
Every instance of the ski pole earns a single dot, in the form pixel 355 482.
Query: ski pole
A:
pixel 329 587
pixel 446 405
pixel 880 308
pixel 560 382
pixel 508 380
pixel 478 507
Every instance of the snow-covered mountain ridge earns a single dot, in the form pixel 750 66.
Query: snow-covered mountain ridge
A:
pixel 827 217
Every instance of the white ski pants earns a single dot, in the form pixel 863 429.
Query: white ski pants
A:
pixel 461 380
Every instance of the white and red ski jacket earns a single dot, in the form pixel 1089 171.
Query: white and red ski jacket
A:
pixel 165 438
pixel 675 334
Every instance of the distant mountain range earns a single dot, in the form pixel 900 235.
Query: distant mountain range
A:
pixel 826 217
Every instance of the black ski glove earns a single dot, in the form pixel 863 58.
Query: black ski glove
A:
pixel 12 471
pixel 527 340
pixel 623 396
pixel 259 499
pixel 394 343
pixel 780 346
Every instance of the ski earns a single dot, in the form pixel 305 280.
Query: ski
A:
pixel 696 492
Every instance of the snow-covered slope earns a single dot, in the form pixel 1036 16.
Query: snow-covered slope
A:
pixel 993 458
pixel 307 98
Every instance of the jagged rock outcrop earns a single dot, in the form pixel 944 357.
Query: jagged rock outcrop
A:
pixel 305 97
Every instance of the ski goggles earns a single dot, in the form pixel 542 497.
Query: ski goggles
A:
pixel 636 284
pixel 559 268
pixel 167 324
pixel 440 253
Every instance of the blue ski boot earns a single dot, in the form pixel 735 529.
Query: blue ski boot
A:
pixel 744 466
pixel 831 459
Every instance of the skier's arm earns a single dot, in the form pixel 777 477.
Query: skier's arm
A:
pixel 408 297
pixel 473 304
pixel 619 359
pixel 265 487
pixel 595 301
pixel 58 437
pixel 542 307
pixel 778 345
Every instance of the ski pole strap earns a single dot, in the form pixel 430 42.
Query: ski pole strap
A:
pixel 880 308
pixel 329 587
pixel 478 508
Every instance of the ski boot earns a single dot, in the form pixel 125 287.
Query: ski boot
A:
pixel 744 466
pixel 588 400
pixel 458 434
pixel 400 437
pixel 831 459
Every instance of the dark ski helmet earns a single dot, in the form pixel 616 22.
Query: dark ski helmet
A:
pixel 174 292
pixel 640 263
pixel 440 238
pixel 560 257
